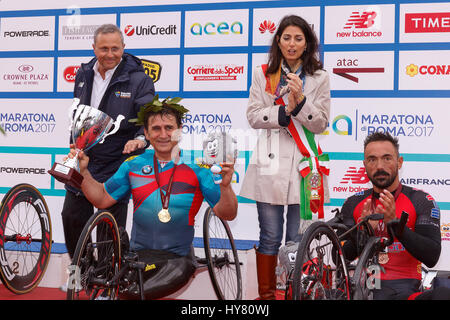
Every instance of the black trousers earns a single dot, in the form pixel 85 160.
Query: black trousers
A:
pixel 76 212
pixel 166 273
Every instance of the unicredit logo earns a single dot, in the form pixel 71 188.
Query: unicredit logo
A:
pixel 70 73
pixel 427 22
pixel 150 30
pixel 129 30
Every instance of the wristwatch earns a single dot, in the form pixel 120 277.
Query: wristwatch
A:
pixel 142 138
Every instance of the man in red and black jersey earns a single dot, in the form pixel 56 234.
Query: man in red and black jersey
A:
pixel 420 240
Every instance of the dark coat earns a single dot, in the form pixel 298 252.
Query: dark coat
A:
pixel 129 89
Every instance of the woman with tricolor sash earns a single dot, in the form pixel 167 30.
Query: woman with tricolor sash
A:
pixel 290 102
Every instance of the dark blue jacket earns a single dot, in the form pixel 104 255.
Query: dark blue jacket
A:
pixel 129 89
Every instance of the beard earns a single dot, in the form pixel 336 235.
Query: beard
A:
pixel 381 179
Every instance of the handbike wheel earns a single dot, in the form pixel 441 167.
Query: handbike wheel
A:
pixel 320 271
pixel 96 260
pixel 223 262
pixel 367 271
pixel 25 238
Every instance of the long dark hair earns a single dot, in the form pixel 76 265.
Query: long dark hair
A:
pixel 311 63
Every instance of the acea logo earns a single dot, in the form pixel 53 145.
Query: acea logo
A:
pixel 220 28
pixel 341 125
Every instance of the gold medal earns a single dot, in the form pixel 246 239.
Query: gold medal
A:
pixel 164 216
pixel 383 257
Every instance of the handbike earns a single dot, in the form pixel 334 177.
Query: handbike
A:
pixel 25 238
pixel 103 266
pixel 322 271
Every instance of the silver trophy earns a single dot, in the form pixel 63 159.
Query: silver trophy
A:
pixel 89 127
pixel 218 147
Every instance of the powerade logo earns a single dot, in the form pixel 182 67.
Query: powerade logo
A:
pixel 406 125
pixel 28 122
pixel 221 28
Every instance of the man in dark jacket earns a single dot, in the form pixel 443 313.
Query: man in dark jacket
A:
pixel 115 83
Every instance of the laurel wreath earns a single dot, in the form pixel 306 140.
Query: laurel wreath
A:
pixel 156 105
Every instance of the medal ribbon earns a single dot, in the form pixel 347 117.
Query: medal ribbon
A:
pixel 164 198
pixel 314 163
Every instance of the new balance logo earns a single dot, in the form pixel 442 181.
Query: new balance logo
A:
pixel 361 21
pixel 355 176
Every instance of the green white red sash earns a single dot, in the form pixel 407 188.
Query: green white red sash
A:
pixel 312 167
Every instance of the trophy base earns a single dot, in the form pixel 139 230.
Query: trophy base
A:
pixel 66 175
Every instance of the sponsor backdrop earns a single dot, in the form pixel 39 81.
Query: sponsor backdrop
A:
pixel 388 63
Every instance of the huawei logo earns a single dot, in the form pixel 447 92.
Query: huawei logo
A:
pixel 267 25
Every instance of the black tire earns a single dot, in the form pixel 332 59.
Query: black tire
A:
pixel 320 271
pixel 25 238
pixel 96 260
pixel 367 271
pixel 222 258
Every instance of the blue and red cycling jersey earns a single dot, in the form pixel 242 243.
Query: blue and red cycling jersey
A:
pixel 191 185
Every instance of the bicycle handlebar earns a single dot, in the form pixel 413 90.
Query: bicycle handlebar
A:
pixel 400 227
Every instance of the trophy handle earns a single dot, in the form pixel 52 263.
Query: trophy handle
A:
pixel 116 125
pixel 72 109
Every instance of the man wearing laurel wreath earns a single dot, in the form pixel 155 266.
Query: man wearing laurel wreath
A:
pixel 167 193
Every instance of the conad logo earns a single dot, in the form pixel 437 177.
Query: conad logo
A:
pixel 70 73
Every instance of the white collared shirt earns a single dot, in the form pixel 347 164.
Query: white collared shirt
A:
pixel 99 86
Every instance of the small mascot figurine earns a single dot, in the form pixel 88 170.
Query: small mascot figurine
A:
pixel 218 147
